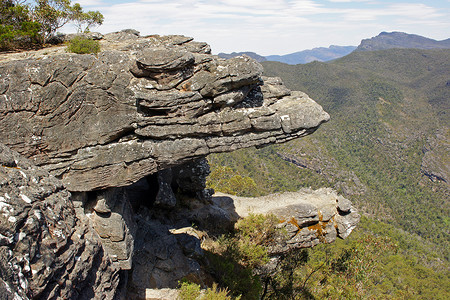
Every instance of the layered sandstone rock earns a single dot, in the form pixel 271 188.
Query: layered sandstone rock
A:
pixel 309 217
pixel 121 139
pixel 46 252
pixel 148 104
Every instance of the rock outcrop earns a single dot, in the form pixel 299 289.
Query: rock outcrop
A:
pixel 436 156
pixel 309 217
pixel 46 252
pixel 116 147
pixel 149 104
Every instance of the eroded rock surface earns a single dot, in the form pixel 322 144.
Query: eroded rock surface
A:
pixel 141 106
pixel 46 252
pixel 124 136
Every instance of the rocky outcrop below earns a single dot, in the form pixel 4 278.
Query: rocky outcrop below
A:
pixel 115 171
pixel 309 217
pixel 46 252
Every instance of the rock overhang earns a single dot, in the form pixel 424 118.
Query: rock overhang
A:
pixel 142 105
pixel 130 125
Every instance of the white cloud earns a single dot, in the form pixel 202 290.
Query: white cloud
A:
pixel 270 26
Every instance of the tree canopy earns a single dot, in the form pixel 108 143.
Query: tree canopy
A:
pixel 25 24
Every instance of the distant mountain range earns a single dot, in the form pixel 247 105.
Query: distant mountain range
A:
pixel 319 54
pixel 385 40
pixel 253 55
pixel 301 57
pixel 390 40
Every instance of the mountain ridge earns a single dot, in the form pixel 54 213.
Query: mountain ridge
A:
pixel 315 54
pixel 299 57
pixel 383 41
pixel 396 39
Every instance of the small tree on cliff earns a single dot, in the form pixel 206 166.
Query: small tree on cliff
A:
pixel 17 29
pixel 84 20
pixel 54 14
pixel 24 25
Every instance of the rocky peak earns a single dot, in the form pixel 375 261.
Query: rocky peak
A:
pixel 392 40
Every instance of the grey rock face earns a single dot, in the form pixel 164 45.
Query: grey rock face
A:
pixel 46 252
pixel 142 105
pixel 110 215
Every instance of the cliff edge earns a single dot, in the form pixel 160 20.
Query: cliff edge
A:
pixel 104 161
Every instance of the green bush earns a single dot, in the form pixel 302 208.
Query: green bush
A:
pixel 188 291
pixel 229 273
pixel 234 257
pixel 225 180
pixel 17 30
pixel 30 24
pixel 191 291
pixel 83 45
pixel 260 229
pixel 215 293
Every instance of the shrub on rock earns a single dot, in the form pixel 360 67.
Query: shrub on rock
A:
pixel 83 45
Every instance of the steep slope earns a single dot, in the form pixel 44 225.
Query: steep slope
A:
pixel 386 105
pixel 389 110
pixel 385 148
pixel 390 40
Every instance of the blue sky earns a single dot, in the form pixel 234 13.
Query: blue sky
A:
pixel 274 26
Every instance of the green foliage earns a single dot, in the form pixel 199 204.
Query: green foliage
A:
pixel 85 20
pixel 83 45
pixel 259 229
pixel 253 235
pixel 51 14
pixel 263 167
pixel 188 291
pixel 17 30
pixel 234 256
pixel 283 283
pixel 24 26
pixel 191 291
pixel 215 293
pixel 328 273
pixel 225 180
pixel 226 270
pixel 54 14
